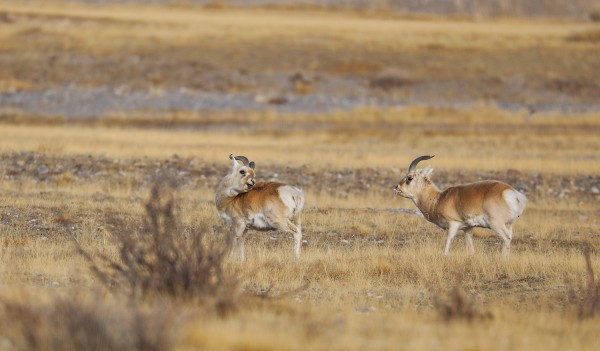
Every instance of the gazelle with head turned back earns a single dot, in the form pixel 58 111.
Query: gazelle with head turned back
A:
pixel 486 204
pixel 246 204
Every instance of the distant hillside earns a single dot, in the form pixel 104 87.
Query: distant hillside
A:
pixel 572 9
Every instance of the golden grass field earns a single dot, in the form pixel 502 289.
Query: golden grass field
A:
pixel 370 276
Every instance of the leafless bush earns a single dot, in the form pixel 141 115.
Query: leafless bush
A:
pixel 458 305
pixel 74 323
pixel 587 297
pixel 160 258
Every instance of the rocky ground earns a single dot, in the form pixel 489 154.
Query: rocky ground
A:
pixel 194 173
pixel 328 93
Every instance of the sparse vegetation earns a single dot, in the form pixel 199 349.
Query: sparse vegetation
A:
pixel 586 297
pixel 377 277
pixel 161 258
pixel 71 323
pixel 458 305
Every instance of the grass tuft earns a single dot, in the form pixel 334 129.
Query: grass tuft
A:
pixel 459 305
pixel 588 298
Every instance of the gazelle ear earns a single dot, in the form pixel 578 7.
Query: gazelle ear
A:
pixel 252 164
pixel 234 163
pixel 427 171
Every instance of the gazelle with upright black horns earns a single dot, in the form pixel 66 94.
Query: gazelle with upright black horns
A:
pixel 246 204
pixel 486 204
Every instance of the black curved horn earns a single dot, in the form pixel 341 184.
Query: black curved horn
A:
pixel 244 160
pixel 414 163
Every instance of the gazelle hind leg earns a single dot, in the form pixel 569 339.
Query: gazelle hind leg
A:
pixel 509 227
pixel 296 230
pixel 506 235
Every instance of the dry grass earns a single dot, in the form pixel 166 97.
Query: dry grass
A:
pixel 586 298
pixel 376 275
pixel 144 47
pixel 376 278
pixel 360 139
pixel 77 322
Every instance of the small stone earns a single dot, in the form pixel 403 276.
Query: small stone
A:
pixel 594 190
pixel 42 170
pixel 55 284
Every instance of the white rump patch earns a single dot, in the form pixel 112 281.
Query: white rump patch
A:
pixel 292 197
pixel 515 201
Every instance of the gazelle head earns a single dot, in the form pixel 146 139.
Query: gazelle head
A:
pixel 414 180
pixel 241 177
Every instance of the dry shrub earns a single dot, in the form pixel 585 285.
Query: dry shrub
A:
pixel 587 297
pixel 458 305
pixel 73 323
pixel 162 259
pixel 587 36
pixel 389 82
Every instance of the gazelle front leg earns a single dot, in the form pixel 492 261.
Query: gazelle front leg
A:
pixel 469 237
pixel 238 233
pixel 452 230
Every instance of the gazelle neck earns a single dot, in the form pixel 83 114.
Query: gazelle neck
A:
pixel 224 192
pixel 427 200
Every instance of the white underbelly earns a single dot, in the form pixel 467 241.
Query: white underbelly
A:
pixel 478 221
pixel 260 222
pixel 226 217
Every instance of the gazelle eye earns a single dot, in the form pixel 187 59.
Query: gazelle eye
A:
pixel 242 172
pixel 409 179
